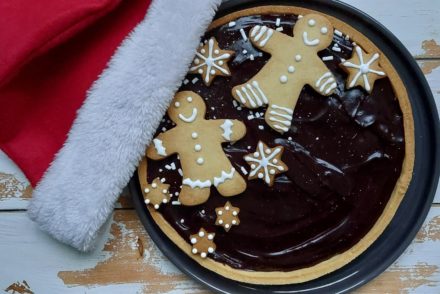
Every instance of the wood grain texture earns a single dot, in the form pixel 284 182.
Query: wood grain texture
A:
pixel 126 260
pixel 414 22
pixel 119 264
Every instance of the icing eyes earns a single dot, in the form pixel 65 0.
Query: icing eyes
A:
pixel 324 30
pixel 177 104
pixel 312 22
pixel 189 99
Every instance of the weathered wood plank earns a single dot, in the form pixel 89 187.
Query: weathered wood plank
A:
pixel 414 22
pixel 127 261
pixel 431 69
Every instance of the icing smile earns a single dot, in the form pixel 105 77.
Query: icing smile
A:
pixel 308 42
pixel 189 119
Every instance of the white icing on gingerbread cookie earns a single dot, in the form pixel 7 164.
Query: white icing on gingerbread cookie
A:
pixel 198 141
pixel 211 61
pixel 363 65
pixel 294 63
pixel 266 163
pixel 227 129
pixel 159 147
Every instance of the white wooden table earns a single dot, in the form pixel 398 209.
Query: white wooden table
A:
pixel 126 261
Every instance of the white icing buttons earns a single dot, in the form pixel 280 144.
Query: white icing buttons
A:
pixel 177 104
pixel 283 79
pixel 298 57
pixel 200 160
pixel 312 22
pixel 324 30
pixel 197 147
pixel 194 135
pixel 189 99
pixel 291 69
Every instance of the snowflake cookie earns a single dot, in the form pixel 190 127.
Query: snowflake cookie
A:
pixel 363 69
pixel 211 61
pixel 156 193
pixel 227 216
pixel 202 243
pixel 266 163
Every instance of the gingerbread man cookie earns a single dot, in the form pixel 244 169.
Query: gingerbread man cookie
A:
pixel 198 143
pixel 294 63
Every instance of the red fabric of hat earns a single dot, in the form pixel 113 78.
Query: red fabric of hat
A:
pixel 50 54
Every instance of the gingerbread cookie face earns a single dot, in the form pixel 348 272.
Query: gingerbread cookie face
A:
pixel 187 109
pixel 326 161
pixel 315 30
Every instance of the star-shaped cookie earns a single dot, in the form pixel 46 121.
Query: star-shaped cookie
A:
pixel 363 69
pixel 227 216
pixel 266 163
pixel 211 61
pixel 202 243
pixel 156 193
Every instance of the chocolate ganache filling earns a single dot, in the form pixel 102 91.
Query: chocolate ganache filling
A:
pixel 344 153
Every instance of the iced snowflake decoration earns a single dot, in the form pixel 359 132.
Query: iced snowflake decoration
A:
pixel 202 243
pixel 156 193
pixel 211 61
pixel 266 163
pixel 361 72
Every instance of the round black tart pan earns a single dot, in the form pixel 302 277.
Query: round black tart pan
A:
pixel 412 210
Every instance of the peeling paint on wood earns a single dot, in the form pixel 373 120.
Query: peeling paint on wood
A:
pixel 10 187
pixel 431 48
pixel 404 278
pixel 430 231
pixel 19 288
pixel 429 66
pixel 124 264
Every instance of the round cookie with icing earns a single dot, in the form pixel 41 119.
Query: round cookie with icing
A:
pixel 307 125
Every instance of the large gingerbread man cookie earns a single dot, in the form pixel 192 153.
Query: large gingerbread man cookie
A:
pixel 198 141
pixel 294 63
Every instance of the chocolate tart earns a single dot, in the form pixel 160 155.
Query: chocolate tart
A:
pixel 349 157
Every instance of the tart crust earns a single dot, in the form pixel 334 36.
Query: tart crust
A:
pixel 337 261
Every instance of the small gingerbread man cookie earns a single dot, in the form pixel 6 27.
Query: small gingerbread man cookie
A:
pixel 294 63
pixel 198 142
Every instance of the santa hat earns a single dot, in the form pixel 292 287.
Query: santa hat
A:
pixel 78 108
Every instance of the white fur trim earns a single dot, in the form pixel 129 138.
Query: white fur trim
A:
pixel 120 115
